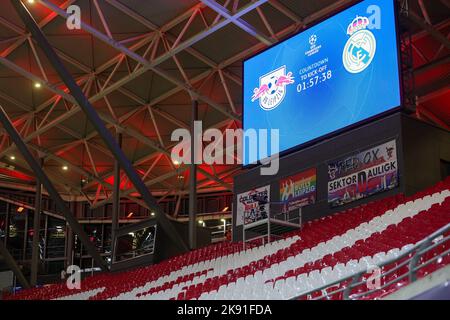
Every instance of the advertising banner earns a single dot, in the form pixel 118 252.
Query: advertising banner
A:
pixel 298 190
pixel 253 205
pixel 363 174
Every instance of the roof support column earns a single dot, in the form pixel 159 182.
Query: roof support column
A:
pixel 13 265
pixel 36 230
pixel 8 208
pixel 96 121
pixel 69 248
pixel 193 179
pixel 42 177
pixel 116 202
pixel 25 236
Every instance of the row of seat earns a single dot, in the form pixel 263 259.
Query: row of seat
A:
pixel 377 249
pixel 323 251
pixel 350 246
pixel 222 265
pixel 228 272
pixel 135 278
pixel 231 276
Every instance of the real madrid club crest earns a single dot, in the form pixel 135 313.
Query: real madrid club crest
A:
pixel 272 88
pixel 360 49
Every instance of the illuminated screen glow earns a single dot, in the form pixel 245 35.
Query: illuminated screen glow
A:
pixel 337 73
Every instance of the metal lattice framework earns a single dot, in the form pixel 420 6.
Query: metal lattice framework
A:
pixel 169 59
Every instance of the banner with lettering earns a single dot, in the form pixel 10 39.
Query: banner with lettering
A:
pixel 363 174
pixel 253 205
pixel 298 190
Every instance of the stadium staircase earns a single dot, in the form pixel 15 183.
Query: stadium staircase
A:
pixel 392 242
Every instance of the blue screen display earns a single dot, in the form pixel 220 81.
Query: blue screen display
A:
pixel 335 74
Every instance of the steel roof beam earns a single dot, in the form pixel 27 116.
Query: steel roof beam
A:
pixel 97 123
pixel 164 29
pixel 153 64
pixel 286 11
pixel 48 154
pixel 229 61
pixel 73 111
pixel 49 18
pixel 148 183
pixel 12 264
pixel 430 29
pixel 424 10
pixel 221 65
pixel 430 115
pixel 244 25
pixel 42 177
pixel 40 149
pixel 68 114
pixel 165 152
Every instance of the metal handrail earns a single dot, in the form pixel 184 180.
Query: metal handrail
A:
pixel 418 250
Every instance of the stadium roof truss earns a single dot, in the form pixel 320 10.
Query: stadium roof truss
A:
pixel 141 63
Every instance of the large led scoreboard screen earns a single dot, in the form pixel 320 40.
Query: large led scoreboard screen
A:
pixel 336 74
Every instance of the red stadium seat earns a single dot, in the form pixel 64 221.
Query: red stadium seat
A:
pixel 324 250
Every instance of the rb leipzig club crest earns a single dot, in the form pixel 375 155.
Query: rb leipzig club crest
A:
pixel 272 88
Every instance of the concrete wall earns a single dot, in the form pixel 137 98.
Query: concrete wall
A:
pixel 424 147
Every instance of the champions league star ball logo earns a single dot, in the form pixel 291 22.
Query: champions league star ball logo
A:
pixel 360 48
pixel 272 88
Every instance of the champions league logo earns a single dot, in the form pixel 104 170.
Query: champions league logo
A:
pixel 272 88
pixel 360 49
pixel 314 48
